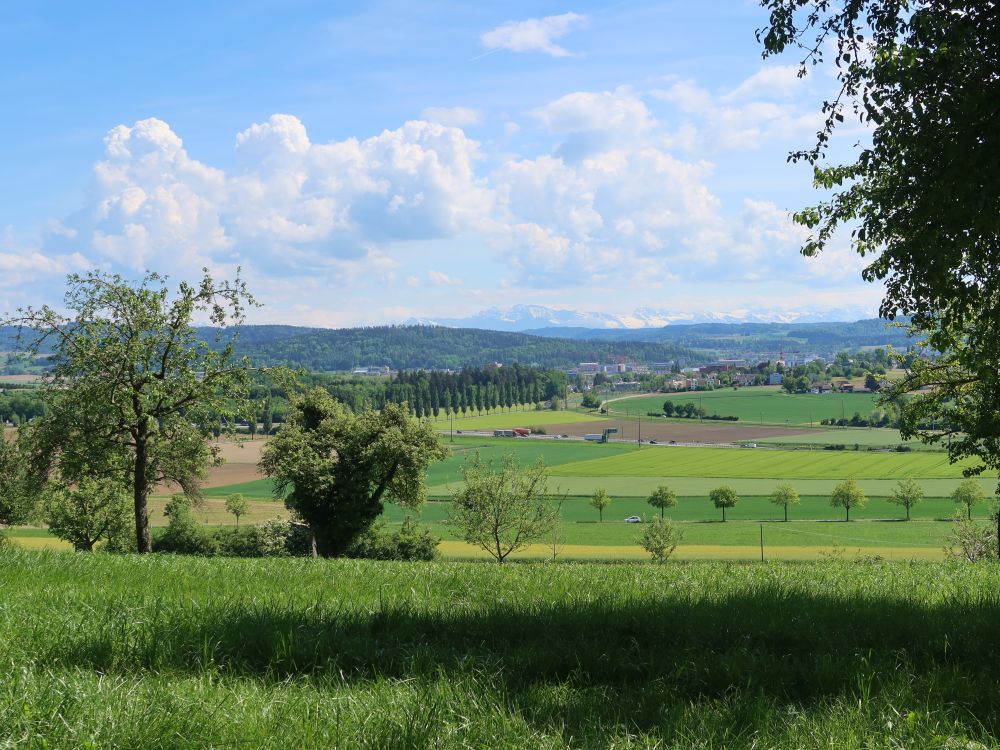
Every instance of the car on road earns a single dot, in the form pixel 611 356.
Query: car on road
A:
pixel 633 519
pixel 652 442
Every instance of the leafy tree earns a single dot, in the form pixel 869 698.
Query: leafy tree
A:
pixel 907 493
pixel 785 495
pixel 501 509
pixel 268 420
pixel 17 501
pixel 93 510
pixel 668 408
pixel 871 382
pixel 922 198
pixel 662 497
pixel 969 493
pixel 237 505
pixel 660 539
pixel 600 500
pixel 848 494
pixel 134 393
pixel 338 467
pixel 183 535
pixel 590 401
pixel 724 497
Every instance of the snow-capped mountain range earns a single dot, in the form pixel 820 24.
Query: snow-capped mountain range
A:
pixel 533 317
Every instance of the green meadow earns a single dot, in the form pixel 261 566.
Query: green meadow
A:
pixel 506 420
pixel 757 405
pixel 679 461
pixel 865 437
pixel 109 651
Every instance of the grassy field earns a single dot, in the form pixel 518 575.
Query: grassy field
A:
pixel 507 420
pixel 170 652
pixel 676 461
pixel 698 509
pixel 762 404
pixel 849 436
pixel 814 525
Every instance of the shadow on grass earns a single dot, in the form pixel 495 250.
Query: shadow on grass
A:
pixel 633 655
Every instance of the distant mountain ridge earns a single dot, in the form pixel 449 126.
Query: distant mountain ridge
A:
pixel 530 318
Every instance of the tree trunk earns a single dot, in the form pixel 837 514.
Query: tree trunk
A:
pixel 907 512
pixel 848 509
pixel 723 513
pixel 144 542
pixel 786 512
pixel 661 511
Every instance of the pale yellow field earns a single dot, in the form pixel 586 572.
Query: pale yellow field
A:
pixel 212 511
pixel 451 549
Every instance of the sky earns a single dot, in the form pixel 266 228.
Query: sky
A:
pixel 374 162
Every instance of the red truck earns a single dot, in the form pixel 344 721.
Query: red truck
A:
pixel 521 432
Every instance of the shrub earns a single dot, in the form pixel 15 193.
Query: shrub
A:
pixel 409 543
pixel 971 541
pixel 660 539
pixel 245 542
pixel 538 431
pixel 183 535
pixel 281 537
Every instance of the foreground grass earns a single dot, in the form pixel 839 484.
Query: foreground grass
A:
pixel 172 652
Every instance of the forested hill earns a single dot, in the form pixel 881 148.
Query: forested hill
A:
pixel 740 338
pixel 432 347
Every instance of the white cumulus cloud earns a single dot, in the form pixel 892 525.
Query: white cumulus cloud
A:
pixel 619 112
pixel 533 34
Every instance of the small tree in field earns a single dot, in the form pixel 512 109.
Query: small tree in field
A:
pixel 237 505
pixel 848 494
pixel 785 495
pixel 660 539
pixel 724 497
pixel 662 497
pixel 502 509
pixel 600 500
pixel 94 510
pixel 907 493
pixel 969 493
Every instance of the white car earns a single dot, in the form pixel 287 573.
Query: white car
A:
pixel 633 519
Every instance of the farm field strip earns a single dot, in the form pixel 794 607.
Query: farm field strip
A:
pixel 631 486
pixel 507 420
pixel 750 508
pixel 849 436
pixel 463 551
pixel 679 461
pixel 767 404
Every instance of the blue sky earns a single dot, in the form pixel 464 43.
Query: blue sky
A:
pixel 370 162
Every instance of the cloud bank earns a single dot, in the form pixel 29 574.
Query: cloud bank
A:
pixel 619 196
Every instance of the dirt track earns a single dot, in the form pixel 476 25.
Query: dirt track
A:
pixel 696 432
